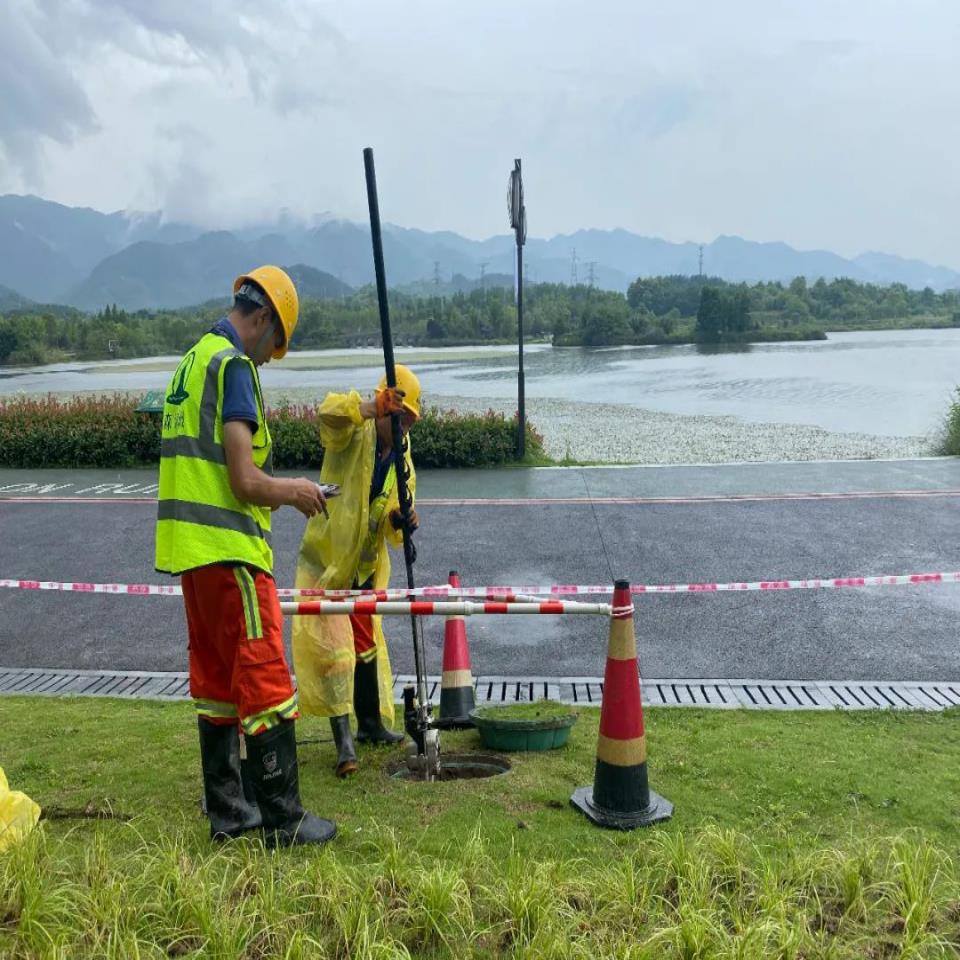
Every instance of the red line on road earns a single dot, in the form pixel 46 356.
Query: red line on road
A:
pixel 16 499
pixel 546 501
pixel 732 498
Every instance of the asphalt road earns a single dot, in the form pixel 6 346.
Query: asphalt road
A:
pixel 653 525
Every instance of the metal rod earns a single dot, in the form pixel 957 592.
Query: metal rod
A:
pixel 521 399
pixel 403 492
pixel 521 404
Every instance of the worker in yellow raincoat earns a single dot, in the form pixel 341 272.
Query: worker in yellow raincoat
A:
pixel 341 663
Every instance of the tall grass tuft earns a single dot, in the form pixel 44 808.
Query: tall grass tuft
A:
pixel 124 891
pixel 917 870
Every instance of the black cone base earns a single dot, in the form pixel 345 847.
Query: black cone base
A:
pixel 657 810
pixel 455 706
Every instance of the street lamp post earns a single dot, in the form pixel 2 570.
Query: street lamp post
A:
pixel 518 221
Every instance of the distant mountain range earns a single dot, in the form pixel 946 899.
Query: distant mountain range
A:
pixel 77 256
pixel 11 300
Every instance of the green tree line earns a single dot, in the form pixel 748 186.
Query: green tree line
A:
pixel 41 334
pixel 671 309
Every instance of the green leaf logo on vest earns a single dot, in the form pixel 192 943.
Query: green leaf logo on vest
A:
pixel 180 378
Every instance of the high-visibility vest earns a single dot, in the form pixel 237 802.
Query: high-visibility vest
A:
pixel 371 543
pixel 199 520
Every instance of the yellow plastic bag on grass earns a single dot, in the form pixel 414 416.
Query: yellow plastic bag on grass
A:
pixel 18 814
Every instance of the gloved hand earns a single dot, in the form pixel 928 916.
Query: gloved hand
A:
pixel 389 400
pixel 396 520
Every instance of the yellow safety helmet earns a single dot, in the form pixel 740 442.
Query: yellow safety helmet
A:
pixel 282 294
pixel 407 382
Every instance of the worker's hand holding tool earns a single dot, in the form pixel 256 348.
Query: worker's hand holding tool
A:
pixel 307 497
pixel 396 520
pixel 390 401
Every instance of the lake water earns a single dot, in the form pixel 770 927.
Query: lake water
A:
pixel 894 383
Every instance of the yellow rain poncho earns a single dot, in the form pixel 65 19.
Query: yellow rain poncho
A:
pixel 323 652
pixel 18 814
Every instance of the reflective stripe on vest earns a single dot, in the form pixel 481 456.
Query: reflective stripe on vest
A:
pixel 369 550
pixel 199 520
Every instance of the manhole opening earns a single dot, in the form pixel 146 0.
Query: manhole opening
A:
pixel 455 766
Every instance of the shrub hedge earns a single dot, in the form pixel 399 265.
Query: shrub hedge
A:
pixel 948 443
pixel 83 432
pixel 108 432
pixel 296 437
pixel 444 438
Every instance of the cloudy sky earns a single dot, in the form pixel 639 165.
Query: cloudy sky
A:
pixel 825 124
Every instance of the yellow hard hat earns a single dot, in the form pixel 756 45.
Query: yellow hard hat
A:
pixel 282 294
pixel 407 382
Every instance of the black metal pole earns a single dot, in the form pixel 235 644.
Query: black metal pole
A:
pixel 521 413
pixel 399 443
pixel 377 237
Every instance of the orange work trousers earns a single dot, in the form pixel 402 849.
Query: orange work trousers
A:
pixel 238 669
pixel 364 645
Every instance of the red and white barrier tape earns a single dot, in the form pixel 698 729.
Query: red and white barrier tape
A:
pixel 440 608
pixel 133 589
pixel 173 590
pixel 513 594
pixel 533 592
pixel 820 583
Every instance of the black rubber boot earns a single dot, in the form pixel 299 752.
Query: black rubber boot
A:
pixel 230 812
pixel 343 738
pixel 246 778
pixel 366 702
pixel 273 766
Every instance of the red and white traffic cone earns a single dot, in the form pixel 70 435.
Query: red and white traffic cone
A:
pixel 456 688
pixel 620 797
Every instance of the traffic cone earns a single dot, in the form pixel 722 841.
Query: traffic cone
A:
pixel 456 688
pixel 620 797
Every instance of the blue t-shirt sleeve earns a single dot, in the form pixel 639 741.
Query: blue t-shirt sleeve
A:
pixel 239 402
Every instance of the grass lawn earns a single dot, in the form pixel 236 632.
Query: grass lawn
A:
pixel 795 835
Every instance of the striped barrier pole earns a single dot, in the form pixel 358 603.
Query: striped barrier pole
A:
pixel 439 608
pixel 438 593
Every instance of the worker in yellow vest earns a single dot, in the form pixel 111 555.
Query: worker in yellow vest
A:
pixel 217 491
pixel 342 663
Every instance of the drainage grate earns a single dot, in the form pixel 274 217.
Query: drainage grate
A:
pixel 582 691
pixel 802 694
pixel 129 684
pixel 720 694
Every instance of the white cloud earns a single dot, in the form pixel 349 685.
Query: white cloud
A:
pixel 822 124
